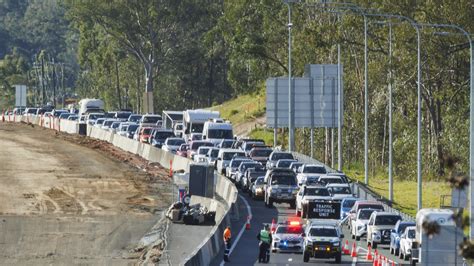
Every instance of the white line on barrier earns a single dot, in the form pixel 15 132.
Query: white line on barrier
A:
pixel 242 230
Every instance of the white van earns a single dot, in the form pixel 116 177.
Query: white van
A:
pixel 441 248
pixel 216 132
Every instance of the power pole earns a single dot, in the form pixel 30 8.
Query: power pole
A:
pixel 43 92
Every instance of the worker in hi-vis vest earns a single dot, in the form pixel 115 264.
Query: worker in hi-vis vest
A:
pixel 265 237
pixel 227 237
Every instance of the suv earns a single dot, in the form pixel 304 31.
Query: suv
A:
pixel 363 204
pixel 310 170
pixel 281 187
pixel 359 224
pixel 260 154
pixel 322 239
pixel 307 194
pixel 250 175
pixel 380 226
pixel 277 155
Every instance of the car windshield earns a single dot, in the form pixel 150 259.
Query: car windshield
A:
pixel 284 163
pixel 235 163
pixel 123 115
pixel 386 219
pixel 340 190
pixel 100 121
pixel 196 145
pixel 184 147
pixel 230 155
pixel 261 153
pixel 95 116
pixel 365 214
pixel 220 134
pixel 316 191
pixel 348 203
pixel 124 128
pixel 259 181
pixel 146 131
pixel 115 125
pixel 214 153
pixel 321 232
pixel 411 233
pixel 284 180
pixel 282 155
pixel 331 180
pixel 289 230
pixel 203 150
pixel 371 206
pixel 244 166
pixel 175 142
pixel 151 119
pixel 108 123
pixel 314 169
pixel 132 128
pixel 227 143
pixel 134 118
pixel 163 135
pixel 402 226
pixel 197 128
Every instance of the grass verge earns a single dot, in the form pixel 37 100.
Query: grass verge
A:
pixel 405 191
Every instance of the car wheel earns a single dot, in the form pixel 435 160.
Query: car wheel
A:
pixel 270 203
pixel 297 212
pixel 305 256
pixel 374 245
pixel 396 251
pixel 391 249
pixel 338 258
pixel 400 255
pixel 357 238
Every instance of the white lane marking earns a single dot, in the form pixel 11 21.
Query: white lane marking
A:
pixel 290 259
pixel 242 230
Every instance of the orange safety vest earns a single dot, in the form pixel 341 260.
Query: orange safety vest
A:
pixel 227 234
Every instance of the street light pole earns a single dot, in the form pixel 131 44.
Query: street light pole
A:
pixel 419 177
pixel 366 108
pixel 390 135
pixel 291 129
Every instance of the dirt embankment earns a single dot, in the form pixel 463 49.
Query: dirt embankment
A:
pixel 67 199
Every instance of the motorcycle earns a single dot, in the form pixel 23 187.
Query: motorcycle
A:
pixel 264 254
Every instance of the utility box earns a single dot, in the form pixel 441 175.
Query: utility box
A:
pixel 201 180
pixel 82 129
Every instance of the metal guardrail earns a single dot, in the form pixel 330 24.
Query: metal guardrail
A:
pixel 359 189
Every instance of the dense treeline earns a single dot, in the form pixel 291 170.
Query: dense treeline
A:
pixel 193 53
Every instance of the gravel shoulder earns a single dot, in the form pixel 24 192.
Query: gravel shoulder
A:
pixel 66 199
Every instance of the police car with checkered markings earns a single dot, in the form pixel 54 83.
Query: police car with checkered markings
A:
pixel 288 237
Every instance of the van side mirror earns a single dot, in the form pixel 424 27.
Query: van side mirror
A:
pixel 341 235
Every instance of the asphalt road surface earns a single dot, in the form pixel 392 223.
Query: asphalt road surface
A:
pixel 245 251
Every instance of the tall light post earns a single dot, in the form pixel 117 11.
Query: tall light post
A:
pixel 291 128
pixel 471 118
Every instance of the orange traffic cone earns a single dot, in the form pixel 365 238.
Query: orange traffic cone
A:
pixel 273 228
pixel 376 259
pixel 247 224
pixel 354 250
pixel 381 260
pixel 393 263
pixel 345 248
pixel 369 254
pixel 386 261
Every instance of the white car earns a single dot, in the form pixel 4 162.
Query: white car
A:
pixel 406 240
pixel 172 144
pixel 224 157
pixel 288 237
pixel 380 226
pixel 307 194
pixel 233 166
pixel 339 191
pixel 212 155
pixel 359 224
pixel 312 170
pixel 201 154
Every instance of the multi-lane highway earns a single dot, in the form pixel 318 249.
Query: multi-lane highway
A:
pixel 245 251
